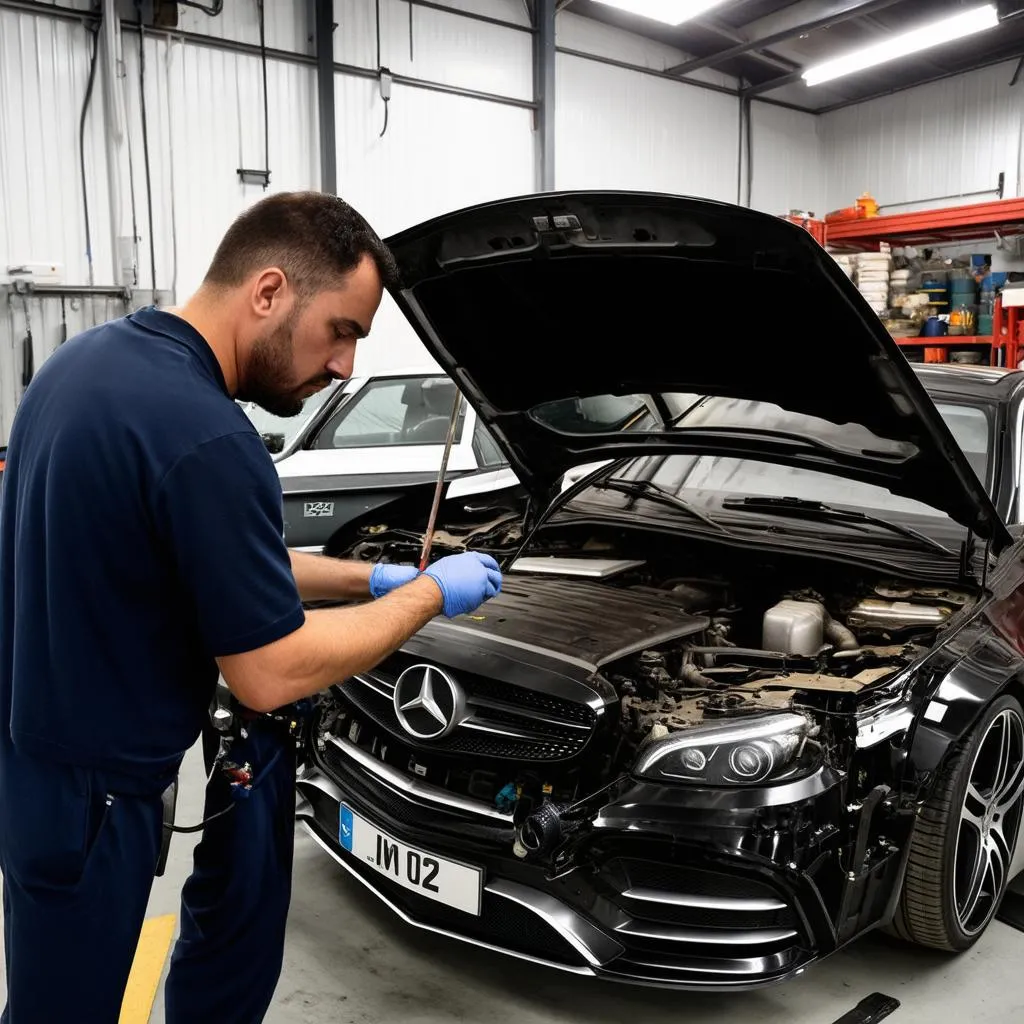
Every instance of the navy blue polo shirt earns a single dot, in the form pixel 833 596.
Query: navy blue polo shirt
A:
pixel 141 536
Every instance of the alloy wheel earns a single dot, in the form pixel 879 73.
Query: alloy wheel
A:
pixel 989 819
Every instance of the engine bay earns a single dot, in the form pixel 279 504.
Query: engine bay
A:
pixel 680 634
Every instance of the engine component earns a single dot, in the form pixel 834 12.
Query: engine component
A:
pixel 591 568
pixel 838 635
pixel 794 627
pixel 893 616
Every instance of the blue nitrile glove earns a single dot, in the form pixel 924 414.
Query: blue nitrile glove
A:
pixel 384 578
pixel 466 581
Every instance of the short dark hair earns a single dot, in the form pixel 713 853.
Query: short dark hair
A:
pixel 313 237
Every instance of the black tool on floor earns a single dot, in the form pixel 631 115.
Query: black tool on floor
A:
pixel 1011 910
pixel 870 1010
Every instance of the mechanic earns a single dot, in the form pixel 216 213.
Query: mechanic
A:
pixel 141 554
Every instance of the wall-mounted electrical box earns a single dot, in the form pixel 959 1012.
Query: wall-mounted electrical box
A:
pixel 38 273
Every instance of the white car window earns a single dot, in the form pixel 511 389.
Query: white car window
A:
pixel 394 411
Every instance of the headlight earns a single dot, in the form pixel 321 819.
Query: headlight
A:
pixel 767 749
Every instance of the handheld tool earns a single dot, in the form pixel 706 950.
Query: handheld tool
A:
pixel 428 537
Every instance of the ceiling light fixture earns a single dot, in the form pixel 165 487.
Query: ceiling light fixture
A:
pixel 669 12
pixel 948 30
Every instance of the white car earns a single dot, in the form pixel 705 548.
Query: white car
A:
pixel 360 446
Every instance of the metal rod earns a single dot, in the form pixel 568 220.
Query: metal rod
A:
pixel 544 94
pixel 938 199
pixel 324 34
pixel 428 537
pixel 31 288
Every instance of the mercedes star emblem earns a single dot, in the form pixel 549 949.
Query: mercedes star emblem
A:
pixel 428 702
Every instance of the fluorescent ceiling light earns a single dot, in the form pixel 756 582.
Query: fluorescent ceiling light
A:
pixel 670 12
pixel 948 30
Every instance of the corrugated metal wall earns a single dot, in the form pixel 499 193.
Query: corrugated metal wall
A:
pixel 44 316
pixel 948 137
pixel 615 128
pixel 788 160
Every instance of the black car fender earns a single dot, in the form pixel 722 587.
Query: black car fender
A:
pixel 977 666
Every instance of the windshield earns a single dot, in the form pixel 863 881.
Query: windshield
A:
pixel 286 428
pixel 707 480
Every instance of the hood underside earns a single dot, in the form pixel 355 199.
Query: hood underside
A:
pixel 541 304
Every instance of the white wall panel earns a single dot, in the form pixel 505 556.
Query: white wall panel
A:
pixel 940 139
pixel 44 68
pixel 439 153
pixel 205 113
pixel 287 23
pixel 619 129
pixel 444 47
pixel 788 161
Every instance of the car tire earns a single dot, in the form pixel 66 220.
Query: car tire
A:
pixel 963 842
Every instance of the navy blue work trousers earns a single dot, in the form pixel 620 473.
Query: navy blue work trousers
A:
pixel 78 855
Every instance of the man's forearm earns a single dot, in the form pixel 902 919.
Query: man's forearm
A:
pixel 320 578
pixel 333 645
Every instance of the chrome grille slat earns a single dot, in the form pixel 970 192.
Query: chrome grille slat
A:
pixel 729 904
pixel 705 936
pixel 378 685
pixel 413 789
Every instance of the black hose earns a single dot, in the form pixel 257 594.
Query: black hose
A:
pixel 81 146
pixel 266 108
pixel 145 146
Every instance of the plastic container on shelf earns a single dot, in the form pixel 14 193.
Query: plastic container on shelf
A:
pixel 986 324
pixel 990 282
pixel 867 205
pixel 963 320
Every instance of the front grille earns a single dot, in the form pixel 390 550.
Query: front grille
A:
pixel 500 721
pixel 652 874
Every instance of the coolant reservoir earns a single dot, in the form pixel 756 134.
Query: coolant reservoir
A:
pixel 794 627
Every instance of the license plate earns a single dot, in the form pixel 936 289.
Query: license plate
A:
pixel 446 881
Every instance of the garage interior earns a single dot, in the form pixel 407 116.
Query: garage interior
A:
pixel 132 133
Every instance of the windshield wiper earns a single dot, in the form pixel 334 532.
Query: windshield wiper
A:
pixel 655 492
pixel 818 510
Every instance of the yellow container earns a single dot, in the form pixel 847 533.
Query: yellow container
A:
pixel 867 206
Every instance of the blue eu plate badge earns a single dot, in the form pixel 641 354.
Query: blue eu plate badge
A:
pixel 345 828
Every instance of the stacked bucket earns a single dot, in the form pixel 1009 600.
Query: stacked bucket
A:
pixel 963 302
pixel 873 270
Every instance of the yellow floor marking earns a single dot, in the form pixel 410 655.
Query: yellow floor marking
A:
pixel 147 968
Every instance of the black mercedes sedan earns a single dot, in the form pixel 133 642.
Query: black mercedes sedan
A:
pixel 754 686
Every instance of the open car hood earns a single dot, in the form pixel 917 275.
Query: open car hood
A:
pixel 547 309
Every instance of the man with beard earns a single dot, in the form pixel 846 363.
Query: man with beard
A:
pixel 141 555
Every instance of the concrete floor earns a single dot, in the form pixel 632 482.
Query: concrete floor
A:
pixel 350 961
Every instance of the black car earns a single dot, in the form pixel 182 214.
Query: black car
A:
pixel 753 687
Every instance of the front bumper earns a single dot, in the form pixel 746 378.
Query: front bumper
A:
pixel 657 896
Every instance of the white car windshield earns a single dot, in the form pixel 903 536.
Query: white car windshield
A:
pixel 710 479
